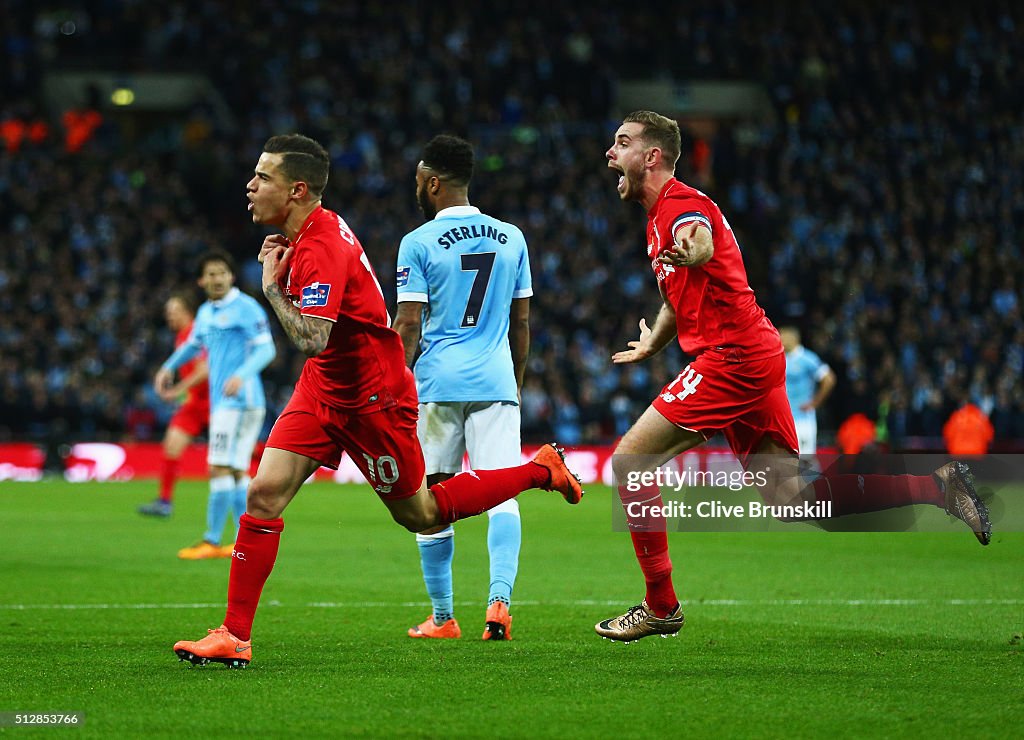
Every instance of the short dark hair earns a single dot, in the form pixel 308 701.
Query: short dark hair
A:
pixel 659 131
pixel 186 298
pixel 215 255
pixel 302 160
pixel 451 157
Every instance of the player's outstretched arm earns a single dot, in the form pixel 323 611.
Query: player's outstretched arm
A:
pixel 652 340
pixel 692 248
pixel 308 333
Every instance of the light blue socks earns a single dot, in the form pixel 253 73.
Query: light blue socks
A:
pixel 436 553
pixel 222 489
pixel 239 498
pixel 504 537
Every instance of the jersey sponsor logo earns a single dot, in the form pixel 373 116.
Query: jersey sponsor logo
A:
pixel 403 276
pixel 315 295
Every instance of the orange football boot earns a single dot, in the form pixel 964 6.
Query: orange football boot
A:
pixel 204 551
pixel 448 631
pixel 499 622
pixel 226 551
pixel 560 479
pixel 219 646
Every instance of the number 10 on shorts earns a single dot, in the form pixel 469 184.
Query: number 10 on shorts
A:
pixel 689 378
pixel 382 471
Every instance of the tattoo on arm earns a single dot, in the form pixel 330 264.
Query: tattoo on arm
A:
pixel 309 335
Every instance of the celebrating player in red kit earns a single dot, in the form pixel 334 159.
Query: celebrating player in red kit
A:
pixel 355 393
pixel 735 385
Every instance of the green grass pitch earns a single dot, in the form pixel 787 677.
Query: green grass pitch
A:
pixel 788 634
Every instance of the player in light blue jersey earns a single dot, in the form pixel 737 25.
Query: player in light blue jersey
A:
pixel 233 329
pixel 809 381
pixel 471 274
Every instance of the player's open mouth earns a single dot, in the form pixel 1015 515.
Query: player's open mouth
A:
pixel 621 184
pixel 250 207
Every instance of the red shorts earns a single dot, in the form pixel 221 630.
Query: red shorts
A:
pixel 192 418
pixel 746 401
pixel 383 444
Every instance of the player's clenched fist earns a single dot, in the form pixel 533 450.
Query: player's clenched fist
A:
pixel 275 256
pixel 271 243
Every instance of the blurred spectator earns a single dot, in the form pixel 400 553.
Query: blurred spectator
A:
pixel 856 433
pixel 968 431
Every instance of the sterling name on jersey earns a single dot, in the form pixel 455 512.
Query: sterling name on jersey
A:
pixel 229 328
pixel 468 268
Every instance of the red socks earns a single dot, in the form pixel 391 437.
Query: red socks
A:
pixel 860 494
pixel 472 493
pixel 168 476
pixel 652 553
pixel 650 543
pixel 255 553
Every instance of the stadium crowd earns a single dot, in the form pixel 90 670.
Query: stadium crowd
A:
pixel 880 209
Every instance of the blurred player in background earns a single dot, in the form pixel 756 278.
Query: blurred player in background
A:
pixel 472 273
pixel 192 417
pixel 735 384
pixel 233 329
pixel 809 381
pixel 355 393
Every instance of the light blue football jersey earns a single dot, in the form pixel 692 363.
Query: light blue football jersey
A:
pixel 230 329
pixel 468 268
pixel 804 370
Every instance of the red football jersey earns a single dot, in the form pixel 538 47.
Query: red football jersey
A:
pixel 715 307
pixel 200 392
pixel 363 367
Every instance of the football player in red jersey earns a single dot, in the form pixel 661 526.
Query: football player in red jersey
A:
pixel 192 417
pixel 355 393
pixel 736 383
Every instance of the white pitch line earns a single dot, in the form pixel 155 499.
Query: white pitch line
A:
pixel 577 602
